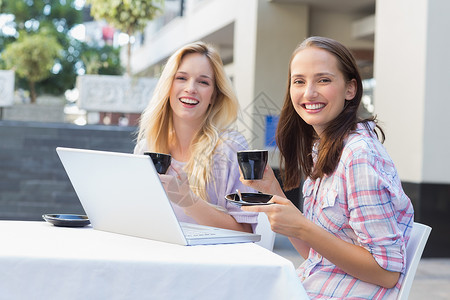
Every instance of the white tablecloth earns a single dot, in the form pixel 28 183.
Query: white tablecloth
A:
pixel 41 261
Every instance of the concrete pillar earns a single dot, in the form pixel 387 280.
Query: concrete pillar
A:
pixel 244 49
pixel 265 35
pixel 412 69
pixel 262 51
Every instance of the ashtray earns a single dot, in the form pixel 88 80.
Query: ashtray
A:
pixel 67 220
pixel 249 199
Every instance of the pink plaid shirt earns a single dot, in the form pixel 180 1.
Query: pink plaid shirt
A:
pixel 363 203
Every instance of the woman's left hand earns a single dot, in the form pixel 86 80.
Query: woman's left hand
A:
pixel 178 189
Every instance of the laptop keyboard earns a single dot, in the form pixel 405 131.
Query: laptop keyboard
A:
pixel 190 233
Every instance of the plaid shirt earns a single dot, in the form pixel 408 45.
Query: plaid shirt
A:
pixel 362 203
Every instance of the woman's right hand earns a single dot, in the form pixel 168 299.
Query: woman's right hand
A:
pixel 268 184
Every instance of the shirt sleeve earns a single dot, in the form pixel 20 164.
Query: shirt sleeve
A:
pixel 373 200
pixel 140 147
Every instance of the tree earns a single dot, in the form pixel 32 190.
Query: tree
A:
pixel 58 17
pixel 32 57
pixel 55 17
pixel 129 16
pixel 103 60
pixel 31 15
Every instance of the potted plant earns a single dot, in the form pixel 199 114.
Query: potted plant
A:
pixel 6 89
pixel 117 95
pixel 32 57
pixel 128 16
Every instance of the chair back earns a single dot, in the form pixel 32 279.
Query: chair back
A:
pixel 414 250
pixel 267 235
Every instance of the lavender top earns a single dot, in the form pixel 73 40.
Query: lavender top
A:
pixel 225 177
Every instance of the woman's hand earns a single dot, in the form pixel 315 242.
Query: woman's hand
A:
pixel 268 184
pixel 178 189
pixel 179 192
pixel 284 217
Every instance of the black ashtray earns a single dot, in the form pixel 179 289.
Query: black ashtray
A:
pixel 249 199
pixel 67 220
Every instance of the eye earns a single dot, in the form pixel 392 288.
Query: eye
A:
pixel 180 78
pixel 324 80
pixel 204 82
pixel 298 81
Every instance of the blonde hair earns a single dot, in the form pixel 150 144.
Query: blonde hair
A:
pixel 156 121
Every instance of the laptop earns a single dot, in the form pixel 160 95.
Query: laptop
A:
pixel 122 193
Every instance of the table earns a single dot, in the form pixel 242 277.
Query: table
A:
pixel 42 261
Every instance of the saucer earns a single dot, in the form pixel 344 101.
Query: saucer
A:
pixel 249 199
pixel 67 220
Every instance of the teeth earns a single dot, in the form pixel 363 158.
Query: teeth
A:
pixel 188 101
pixel 314 106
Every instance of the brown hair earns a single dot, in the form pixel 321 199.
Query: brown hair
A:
pixel 295 138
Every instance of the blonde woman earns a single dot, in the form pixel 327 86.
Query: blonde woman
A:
pixel 189 117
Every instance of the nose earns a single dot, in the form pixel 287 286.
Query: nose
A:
pixel 190 87
pixel 310 92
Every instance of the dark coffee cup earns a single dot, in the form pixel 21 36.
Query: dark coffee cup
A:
pixel 161 161
pixel 252 163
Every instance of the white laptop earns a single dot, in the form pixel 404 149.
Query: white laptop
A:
pixel 122 193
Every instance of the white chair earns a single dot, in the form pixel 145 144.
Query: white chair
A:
pixel 414 250
pixel 267 235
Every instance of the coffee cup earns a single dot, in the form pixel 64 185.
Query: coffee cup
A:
pixel 161 161
pixel 252 163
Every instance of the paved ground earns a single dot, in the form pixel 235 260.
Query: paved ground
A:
pixel 432 280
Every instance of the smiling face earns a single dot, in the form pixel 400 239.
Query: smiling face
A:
pixel 192 89
pixel 318 88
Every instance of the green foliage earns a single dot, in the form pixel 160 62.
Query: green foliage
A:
pixel 60 14
pixel 129 16
pixel 101 60
pixel 32 56
pixel 56 18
